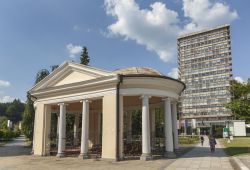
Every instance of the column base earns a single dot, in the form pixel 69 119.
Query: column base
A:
pixel 60 155
pixel 83 156
pixel 170 155
pixel 177 151
pixel 146 157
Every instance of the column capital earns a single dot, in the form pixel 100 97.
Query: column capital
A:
pixel 85 100
pixel 174 102
pixel 168 99
pixel 145 96
pixel 62 104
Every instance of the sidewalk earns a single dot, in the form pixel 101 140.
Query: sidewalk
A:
pixel 200 158
pixel 245 159
pixel 15 148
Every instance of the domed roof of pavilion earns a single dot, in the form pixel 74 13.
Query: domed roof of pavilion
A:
pixel 138 71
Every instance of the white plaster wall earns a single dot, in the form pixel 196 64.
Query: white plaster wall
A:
pixel 239 129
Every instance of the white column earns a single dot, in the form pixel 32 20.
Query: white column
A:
pixel 85 130
pixel 76 129
pixel 129 126
pixel 175 130
pixel 62 131
pixel 152 127
pixel 146 150
pixel 121 156
pixel 169 148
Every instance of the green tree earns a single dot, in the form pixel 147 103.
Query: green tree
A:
pixel 14 110
pixel 53 67
pixel 3 107
pixel 29 112
pixel 240 103
pixel 3 122
pixel 41 75
pixel 28 119
pixel 84 56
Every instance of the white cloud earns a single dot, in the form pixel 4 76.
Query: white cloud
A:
pixel 73 50
pixel 76 28
pixel 204 14
pixel 6 99
pixel 174 73
pixel 4 83
pixel 239 79
pixel 158 27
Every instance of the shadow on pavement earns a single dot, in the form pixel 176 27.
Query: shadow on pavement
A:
pixel 205 152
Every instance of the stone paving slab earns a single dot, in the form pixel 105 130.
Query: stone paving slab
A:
pixel 73 163
pixel 200 158
pixel 245 159
pixel 14 156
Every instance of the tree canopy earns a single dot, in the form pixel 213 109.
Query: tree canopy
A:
pixel 28 119
pixel 29 111
pixel 41 75
pixel 84 56
pixel 53 67
pixel 240 103
pixel 12 110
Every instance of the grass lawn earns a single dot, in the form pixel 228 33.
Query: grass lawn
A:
pixel 239 145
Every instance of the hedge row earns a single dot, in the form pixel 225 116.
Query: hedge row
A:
pixel 188 139
pixel 8 134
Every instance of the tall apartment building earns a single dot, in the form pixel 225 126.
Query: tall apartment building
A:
pixel 205 66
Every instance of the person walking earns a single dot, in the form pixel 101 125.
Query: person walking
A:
pixel 202 140
pixel 212 143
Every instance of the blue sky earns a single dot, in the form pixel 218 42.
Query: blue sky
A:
pixel 125 33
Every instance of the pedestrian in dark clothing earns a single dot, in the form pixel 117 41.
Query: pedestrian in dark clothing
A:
pixel 202 140
pixel 212 143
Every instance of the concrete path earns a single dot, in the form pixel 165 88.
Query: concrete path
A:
pixel 200 158
pixel 245 159
pixel 15 148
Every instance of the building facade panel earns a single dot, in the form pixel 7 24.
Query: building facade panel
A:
pixel 205 66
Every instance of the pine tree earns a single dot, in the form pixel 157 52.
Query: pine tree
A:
pixel 84 56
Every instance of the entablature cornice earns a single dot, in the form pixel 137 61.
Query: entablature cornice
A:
pixel 79 87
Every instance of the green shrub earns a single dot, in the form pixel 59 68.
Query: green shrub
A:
pixel 218 132
pixel 188 139
pixel 7 134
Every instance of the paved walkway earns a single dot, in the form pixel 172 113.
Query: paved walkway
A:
pixel 15 148
pixel 12 157
pixel 200 158
pixel 245 159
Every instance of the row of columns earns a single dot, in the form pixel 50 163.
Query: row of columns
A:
pixel 84 132
pixel 170 129
pixel 170 121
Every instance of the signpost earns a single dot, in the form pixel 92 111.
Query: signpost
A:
pixel 225 132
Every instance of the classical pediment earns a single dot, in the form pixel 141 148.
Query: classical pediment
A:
pixel 69 73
